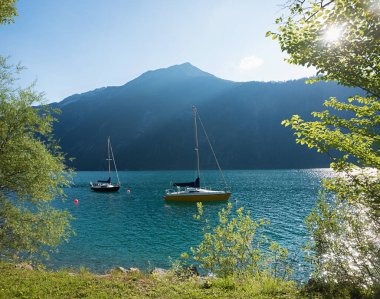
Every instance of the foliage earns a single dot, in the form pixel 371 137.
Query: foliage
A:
pixel 353 59
pixel 32 171
pixel 341 39
pixel 345 231
pixel 237 245
pixel 342 138
pixel 7 11
pixel 334 290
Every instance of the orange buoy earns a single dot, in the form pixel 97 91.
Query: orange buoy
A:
pixel 76 201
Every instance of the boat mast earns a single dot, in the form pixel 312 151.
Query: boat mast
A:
pixel 196 139
pixel 109 158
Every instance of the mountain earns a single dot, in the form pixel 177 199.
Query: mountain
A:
pixel 150 122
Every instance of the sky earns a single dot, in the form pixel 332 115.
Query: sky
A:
pixel 74 46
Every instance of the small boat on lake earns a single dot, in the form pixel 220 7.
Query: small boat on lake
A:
pixel 192 191
pixel 107 185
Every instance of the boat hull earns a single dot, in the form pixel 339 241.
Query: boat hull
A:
pixel 105 189
pixel 197 197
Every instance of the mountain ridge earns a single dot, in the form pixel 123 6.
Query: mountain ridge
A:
pixel 150 123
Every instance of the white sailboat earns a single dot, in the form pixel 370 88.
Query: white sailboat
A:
pixel 107 185
pixel 192 191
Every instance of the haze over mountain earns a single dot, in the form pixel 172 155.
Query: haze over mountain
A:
pixel 150 122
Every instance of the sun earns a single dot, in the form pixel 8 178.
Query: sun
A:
pixel 333 34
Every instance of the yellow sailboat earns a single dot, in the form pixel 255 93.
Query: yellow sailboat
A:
pixel 192 191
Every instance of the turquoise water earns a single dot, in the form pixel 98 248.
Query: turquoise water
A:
pixel 140 229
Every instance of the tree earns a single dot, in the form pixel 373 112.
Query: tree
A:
pixel 32 172
pixel 7 11
pixel 341 39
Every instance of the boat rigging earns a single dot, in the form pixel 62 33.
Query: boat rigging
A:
pixel 192 190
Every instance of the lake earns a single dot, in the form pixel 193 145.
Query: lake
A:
pixel 139 229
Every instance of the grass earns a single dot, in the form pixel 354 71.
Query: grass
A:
pixel 16 282
pixel 22 283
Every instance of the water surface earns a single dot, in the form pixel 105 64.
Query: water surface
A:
pixel 140 229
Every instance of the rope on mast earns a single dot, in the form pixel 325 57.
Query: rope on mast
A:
pixel 212 150
pixel 114 162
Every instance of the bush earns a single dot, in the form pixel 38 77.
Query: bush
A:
pixel 237 245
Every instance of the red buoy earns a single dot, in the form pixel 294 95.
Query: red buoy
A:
pixel 76 201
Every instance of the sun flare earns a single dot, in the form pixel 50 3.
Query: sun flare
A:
pixel 333 34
